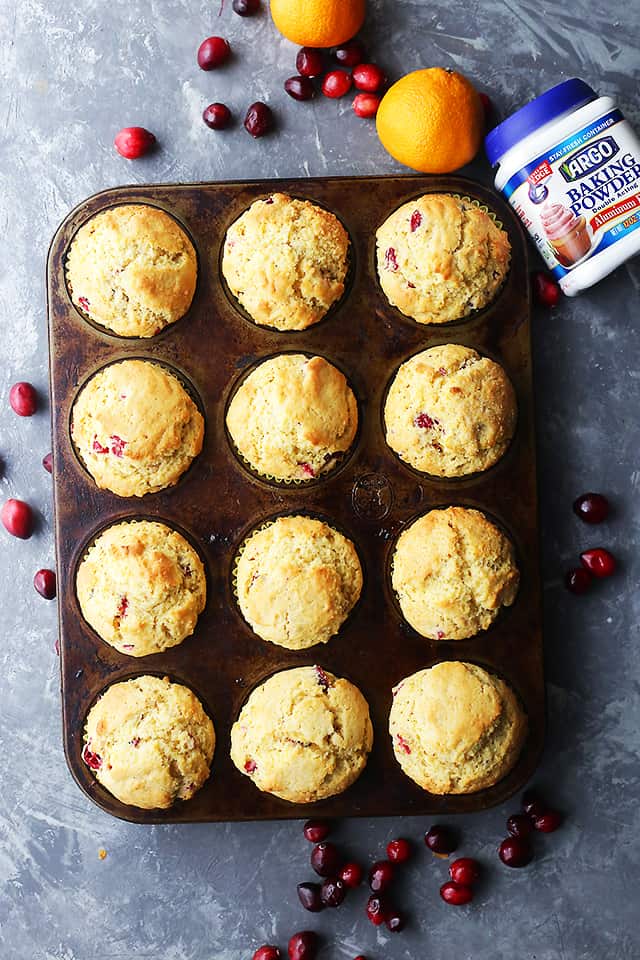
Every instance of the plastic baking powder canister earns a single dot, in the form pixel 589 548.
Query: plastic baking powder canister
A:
pixel 569 165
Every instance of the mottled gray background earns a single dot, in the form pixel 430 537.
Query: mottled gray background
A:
pixel 71 74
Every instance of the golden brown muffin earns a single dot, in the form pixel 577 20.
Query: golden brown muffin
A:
pixel 453 571
pixel 293 417
pixel 149 742
pixel 456 728
pixel 141 586
pixel 450 412
pixel 303 735
pixel 440 258
pixel 297 581
pixel 136 428
pixel 132 269
pixel 286 261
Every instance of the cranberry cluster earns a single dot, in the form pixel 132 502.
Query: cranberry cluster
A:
pixel 596 562
pixel 516 850
pixel 368 78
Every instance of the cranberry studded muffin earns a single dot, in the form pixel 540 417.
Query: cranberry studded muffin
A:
pixel 293 418
pixel 303 735
pixel 456 728
pixel 141 586
pixel 297 581
pixel 453 571
pixel 136 428
pixel 132 269
pixel 450 412
pixel 286 261
pixel 440 258
pixel 149 742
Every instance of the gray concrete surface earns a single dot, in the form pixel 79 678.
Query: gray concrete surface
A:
pixel 73 73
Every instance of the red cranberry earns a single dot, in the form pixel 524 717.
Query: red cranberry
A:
pixel 381 876
pixel 259 119
pixel 245 8
pixel 92 760
pixel 515 852
pixel 441 839
pixel 591 507
pixel 47 462
pixel 399 851
pixel 267 953
pixel 415 223
pixel 456 894
pixel 365 105
pixel 300 88
pixel 487 106
pixel 23 399
pixel 351 875
pixel 309 897
pixel 212 53
pixel 548 822
pixel 309 62
pixel 376 910
pixel 45 583
pixel 333 892
pixel 303 945
pixel 395 922
pixel 545 290
pixel 350 54
pixel 133 142
pixel 577 580
pixel 369 77
pixel 599 562
pixel 391 259
pixel 520 825
pixel 336 84
pixel 217 116
pixel 17 518
pixel 465 870
pixel 532 803
pixel 326 860
pixel 424 421
pixel 315 831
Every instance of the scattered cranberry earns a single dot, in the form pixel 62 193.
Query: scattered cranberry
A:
pixel 23 399
pixel 548 822
pixel 259 119
pixel 217 116
pixel 515 852
pixel 465 870
pixel 45 583
pixel 395 922
pixel 309 897
pixel 399 851
pixel 520 825
pixel 303 945
pixel 212 53
pixel 381 876
pixel 577 580
pixel 545 289
pixel 599 562
pixel 315 831
pixel 326 860
pixel 17 518
pixel 369 77
pixel 245 8
pixel 456 894
pixel 365 105
pixel 333 892
pixel 267 953
pixel 309 62
pixel 591 507
pixel 351 875
pixel 300 88
pixel 47 462
pixel 336 84
pixel 487 106
pixel 350 54
pixel 133 142
pixel 532 803
pixel 376 910
pixel 440 839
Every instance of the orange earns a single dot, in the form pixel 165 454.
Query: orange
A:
pixel 318 23
pixel 431 120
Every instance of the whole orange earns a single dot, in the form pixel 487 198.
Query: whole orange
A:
pixel 431 120
pixel 318 23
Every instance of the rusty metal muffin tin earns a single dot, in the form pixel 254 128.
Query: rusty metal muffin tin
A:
pixel 370 497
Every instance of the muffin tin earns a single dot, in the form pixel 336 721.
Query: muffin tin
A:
pixel 369 497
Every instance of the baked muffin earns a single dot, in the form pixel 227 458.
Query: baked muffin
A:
pixel 141 586
pixel 303 735
pixel 453 571
pixel 132 269
pixel 149 742
pixel 136 428
pixel 293 417
pixel 456 728
pixel 297 581
pixel 286 261
pixel 440 258
pixel 450 412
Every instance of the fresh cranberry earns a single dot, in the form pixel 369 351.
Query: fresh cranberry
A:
pixel 300 88
pixel 487 106
pixel 520 825
pixel 591 507
pixel 351 875
pixel 212 53
pixel 376 910
pixel 532 803
pixel 245 8
pixel 315 831
pixel 326 860
pixel 303 945
pixel 515 851
pixel 365 105
pixel 599 562
pixel 217 116
pixel 267 953
pixel 350 54
pixel 545 289
pixel 23 399
pixel 17 519
pixel 47 462
pixel 441 839
pixel 259 119
pixel 456 894
pixel 333 892
pixel 133 142
pixel 577 580
pixel 548 822
pixel 369 77
pixel 336 83
pixel 395 922
pixel 399 851
pixel 309 897
pixel 465 870
pixel 309 62
pixel 381 876
pixel 45 583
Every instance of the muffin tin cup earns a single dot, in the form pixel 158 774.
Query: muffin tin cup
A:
pixel 370 497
